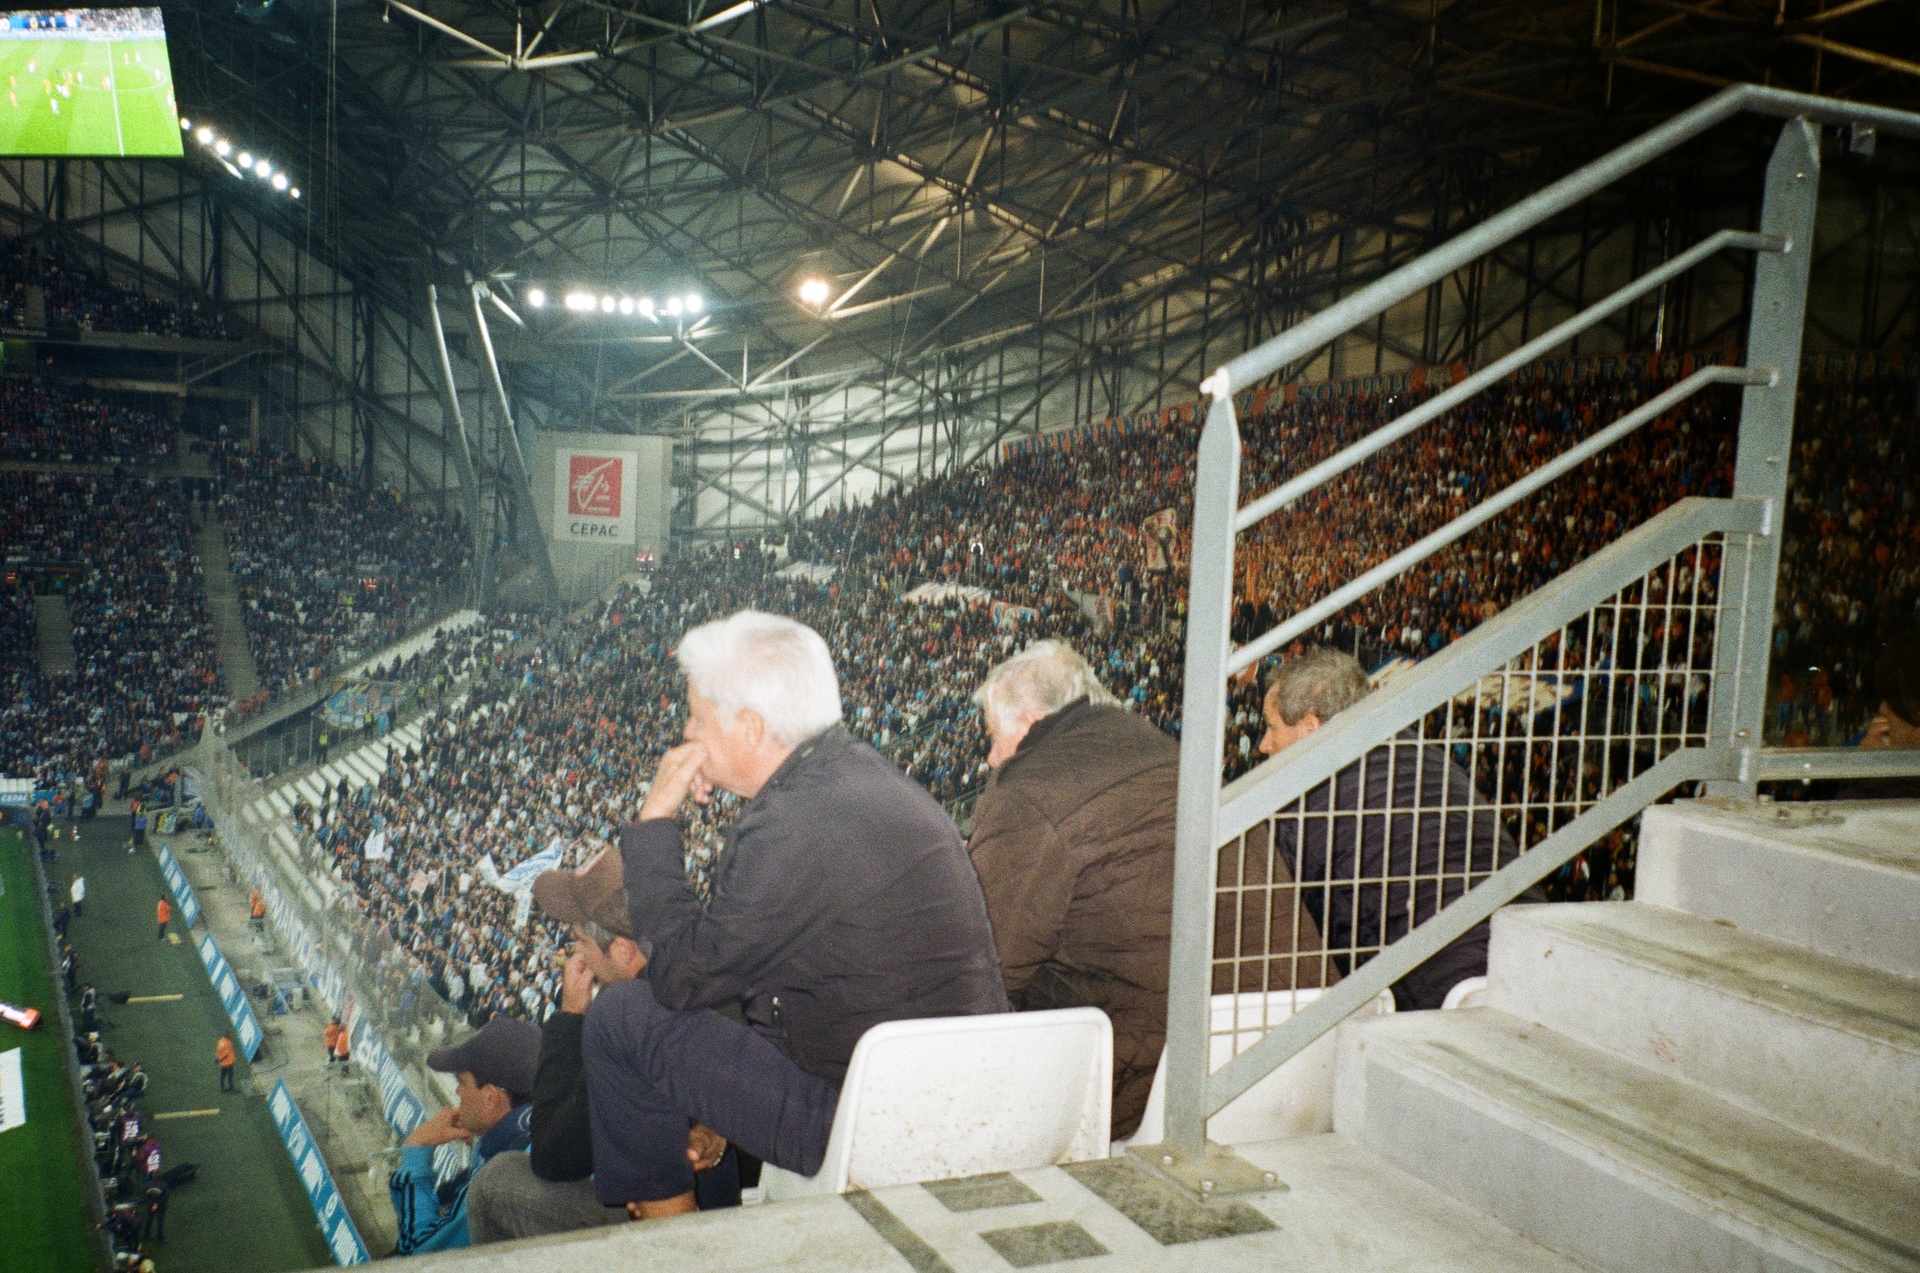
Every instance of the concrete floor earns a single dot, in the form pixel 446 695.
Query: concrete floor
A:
pixel 1342 1209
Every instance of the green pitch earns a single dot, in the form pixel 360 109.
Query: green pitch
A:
pixel 87 97
pixel 43 1214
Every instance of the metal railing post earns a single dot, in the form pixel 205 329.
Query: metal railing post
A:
pixel 1751 565
pixel 1216 498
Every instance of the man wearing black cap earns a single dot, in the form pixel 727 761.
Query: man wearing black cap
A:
pixel 496 1070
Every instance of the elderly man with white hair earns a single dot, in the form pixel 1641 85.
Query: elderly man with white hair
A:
pixel 1073 840
pixel 843 899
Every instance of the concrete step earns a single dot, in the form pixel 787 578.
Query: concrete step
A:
pixel 53 636
pixel 1609 1162
pixel 230 642
pixel 1847 884
pixel 1342 1209
pixel 1828 1047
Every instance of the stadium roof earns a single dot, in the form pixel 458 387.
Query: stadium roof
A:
pixel 961 175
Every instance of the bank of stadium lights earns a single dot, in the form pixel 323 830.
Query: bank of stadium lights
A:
pixel 582 301
pixel 243 164
pixel 815 291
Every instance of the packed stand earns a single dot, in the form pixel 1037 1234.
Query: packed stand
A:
pixel 78 296
pixel 548 751
pixel 43 421
pixel 145 671
pixel 324 569
pixel 1850 567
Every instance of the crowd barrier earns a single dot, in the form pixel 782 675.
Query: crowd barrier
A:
pixel 177 883
pixel 233 997
pixel 392 1018
pixel 342 1238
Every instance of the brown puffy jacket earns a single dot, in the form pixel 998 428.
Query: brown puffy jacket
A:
pixel 1073 840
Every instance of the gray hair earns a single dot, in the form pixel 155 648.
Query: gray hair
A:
pixel 1317 681
pixel 1042 679
pixel 779 668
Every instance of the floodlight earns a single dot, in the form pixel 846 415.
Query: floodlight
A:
pixel 245 160
pixel 536 298
pixel 815 291
pixel 279 181
pixel 204 136
pixel 693 302
pixel 186 125
pixel 674 306
pixel 626 304
pixel 606 304
pixel 261 167
pixel 295 192
pixel 646 306
pixel 579 301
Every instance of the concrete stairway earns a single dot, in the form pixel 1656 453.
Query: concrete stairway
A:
pixel 223 607
pixel 53 635
pixel 1723 1074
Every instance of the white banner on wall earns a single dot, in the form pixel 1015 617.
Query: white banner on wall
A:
pixel 594 496
pixel 13 1092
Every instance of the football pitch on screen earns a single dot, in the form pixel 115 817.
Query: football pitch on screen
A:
pixel 87 97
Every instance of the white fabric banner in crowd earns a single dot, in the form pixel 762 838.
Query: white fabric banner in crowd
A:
pixel 376 847
pixel 13 1092
pixel 521 877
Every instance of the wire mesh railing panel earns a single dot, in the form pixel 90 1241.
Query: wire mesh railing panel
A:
pixel 1325 883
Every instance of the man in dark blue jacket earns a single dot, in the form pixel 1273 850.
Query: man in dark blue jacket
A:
pixel 843 899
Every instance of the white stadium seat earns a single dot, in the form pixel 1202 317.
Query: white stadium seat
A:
pixel 1471 993
pixel 942 1097
pixel 1294 1100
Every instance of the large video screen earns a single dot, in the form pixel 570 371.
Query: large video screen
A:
pixel 87 82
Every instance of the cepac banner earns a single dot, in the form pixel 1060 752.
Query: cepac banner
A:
pixel 593 496
pixel 16 793
pixel 177 883
pixel 232 996
pixel 342 1238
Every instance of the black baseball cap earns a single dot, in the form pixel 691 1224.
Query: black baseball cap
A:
pixel 505 1053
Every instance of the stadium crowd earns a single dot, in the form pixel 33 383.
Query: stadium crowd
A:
pixel 80 297
pixel 40 420
pixel 323 568
pixel 550 749
pixel 145 671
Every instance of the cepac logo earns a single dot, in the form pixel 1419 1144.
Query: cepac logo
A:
pixel 593 486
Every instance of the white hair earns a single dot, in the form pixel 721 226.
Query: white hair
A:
pixel 779 668
pixel 1042 679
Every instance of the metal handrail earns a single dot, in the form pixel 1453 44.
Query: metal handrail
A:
pixel 1441 403
pixel 1486 510
pixel 1744 532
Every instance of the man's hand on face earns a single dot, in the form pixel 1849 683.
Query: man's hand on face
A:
pixel 440 1129
pixel 705 1147
pixel 576 983
pixel 677 778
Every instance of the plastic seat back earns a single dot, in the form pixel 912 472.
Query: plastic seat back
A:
pixel 1294 1100
pixel 942 1097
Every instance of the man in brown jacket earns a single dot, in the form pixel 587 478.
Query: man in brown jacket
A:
pixel 1073 842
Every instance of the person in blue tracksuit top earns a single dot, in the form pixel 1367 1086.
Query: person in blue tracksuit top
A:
pixel 496 1069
